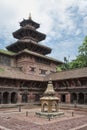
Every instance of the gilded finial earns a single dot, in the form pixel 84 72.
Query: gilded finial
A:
pixel 29 15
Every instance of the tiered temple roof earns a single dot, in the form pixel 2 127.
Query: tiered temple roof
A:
pixel 38 55
pixel 30 45
pixel 26 51
pixel 30 22
pixel 28 38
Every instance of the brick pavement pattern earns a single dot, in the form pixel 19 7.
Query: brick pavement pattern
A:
pixel 19 121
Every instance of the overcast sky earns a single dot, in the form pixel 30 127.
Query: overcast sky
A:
pixel 63 21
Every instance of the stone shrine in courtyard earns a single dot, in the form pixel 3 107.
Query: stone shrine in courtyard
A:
pixel 49 103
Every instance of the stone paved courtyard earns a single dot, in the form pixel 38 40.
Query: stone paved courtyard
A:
pixel 12 119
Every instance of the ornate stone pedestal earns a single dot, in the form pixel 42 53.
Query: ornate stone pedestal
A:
pixel 49 103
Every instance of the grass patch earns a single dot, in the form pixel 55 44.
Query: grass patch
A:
pixel 6 52
pixel 2 69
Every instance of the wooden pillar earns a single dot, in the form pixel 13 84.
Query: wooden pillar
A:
pixel 19 100
pixel 9 98
pixel 28 98
pixel 1 95
pixel 68 98
pixel 85 98
pixel 77 97
pixel 31 97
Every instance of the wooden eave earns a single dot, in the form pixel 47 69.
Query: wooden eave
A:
pixel 29 32
pixel 69 74
pixel 14 73
pixel 30 22
pixel 39 55
pixel 6 53
pixel 29 44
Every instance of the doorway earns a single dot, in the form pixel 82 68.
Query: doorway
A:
pixel 63 98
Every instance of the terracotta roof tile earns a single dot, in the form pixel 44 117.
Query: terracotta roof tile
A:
pixel 70 74
pixel 12 73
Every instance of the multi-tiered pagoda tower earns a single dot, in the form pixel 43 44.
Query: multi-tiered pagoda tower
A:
pixel 24 65
pixel 28 37
pixel 25 70
pixel 32 55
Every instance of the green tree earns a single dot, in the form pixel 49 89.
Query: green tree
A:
pixel 79 62
pixel 64 66
pixel 81 59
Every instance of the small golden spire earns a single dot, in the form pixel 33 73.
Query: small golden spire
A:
pixel 30 16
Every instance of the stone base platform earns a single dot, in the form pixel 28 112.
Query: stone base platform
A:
pixel 50 115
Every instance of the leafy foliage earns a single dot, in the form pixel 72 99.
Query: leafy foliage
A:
pixel 80 61
pixel 64 66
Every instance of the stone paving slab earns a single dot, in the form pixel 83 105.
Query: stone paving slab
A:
pixel 4 128
pixel 82 127
pixel 14 120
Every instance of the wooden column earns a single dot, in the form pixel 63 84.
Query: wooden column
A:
pixel 19 100
pixel 1 95
pixel 77 97
pixel 28 98
pixel 85 98
pixel 68 98
pixel 9 98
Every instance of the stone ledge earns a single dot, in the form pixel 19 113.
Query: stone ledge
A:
pixel 49 115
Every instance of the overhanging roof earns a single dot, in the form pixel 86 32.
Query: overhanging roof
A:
pixel 29 44
pixel 14 73
pixel 20 33
pixel 39 55
pixel 30 22
pixel 69 74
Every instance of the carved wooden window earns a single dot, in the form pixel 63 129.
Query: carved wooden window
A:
pixel 32 69
pixel 43 72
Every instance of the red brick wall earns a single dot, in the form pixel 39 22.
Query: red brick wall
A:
pixel 27 62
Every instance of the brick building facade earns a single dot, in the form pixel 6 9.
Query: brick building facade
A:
pixel 71 85
pixel 25 70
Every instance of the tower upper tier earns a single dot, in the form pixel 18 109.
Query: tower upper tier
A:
pixel 29 22
pixel 28 30
pixel 28 37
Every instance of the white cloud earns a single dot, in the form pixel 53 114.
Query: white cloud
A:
pixel 55 19
pixel 82 4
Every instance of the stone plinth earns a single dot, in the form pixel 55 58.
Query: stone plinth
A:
pixel 50 115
